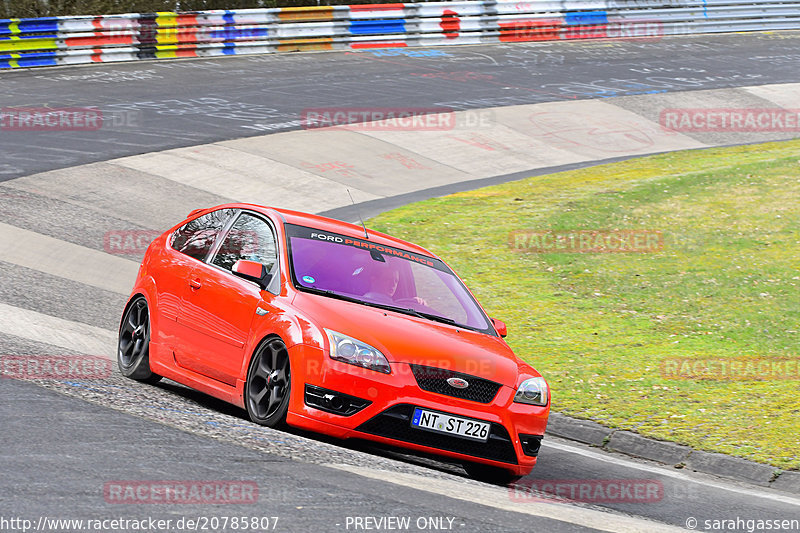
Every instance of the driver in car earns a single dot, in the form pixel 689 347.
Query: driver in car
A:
pixel 384 281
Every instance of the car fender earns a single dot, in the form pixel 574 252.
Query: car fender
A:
pixel 278 321
pixel 291 327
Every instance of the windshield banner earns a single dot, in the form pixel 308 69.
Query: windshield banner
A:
pixel 326 236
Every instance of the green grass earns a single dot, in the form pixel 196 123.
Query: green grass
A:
pixel 599 326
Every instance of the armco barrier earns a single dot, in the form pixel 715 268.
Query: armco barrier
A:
pixel 128 37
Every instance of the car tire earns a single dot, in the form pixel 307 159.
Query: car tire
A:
pixel 269 384
pixel 490 474
pixel 133 345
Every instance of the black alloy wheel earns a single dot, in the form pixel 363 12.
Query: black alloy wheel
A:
pixel 269 383
pixel 133 347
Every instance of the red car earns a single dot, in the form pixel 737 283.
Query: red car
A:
pixel 326 326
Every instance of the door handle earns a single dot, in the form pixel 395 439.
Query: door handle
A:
pixel 195 283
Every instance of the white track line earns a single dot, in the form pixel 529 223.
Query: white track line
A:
pixel 752 491
pixel 501 498
pixel 74 336
pixel 66 260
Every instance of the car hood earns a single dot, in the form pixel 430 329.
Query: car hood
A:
pixel 407 339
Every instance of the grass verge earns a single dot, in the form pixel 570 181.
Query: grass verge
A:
pixel 619 336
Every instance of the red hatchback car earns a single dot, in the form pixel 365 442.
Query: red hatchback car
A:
pixel 326 326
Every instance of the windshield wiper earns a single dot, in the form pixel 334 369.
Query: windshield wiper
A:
pixel 332 294
pixel 437 318
pixel 420 314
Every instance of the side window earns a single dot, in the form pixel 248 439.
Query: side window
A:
pixel 196 236
pixel 249 238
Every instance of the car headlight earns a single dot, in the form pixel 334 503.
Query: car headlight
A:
pixel 532 391
pixel 353 351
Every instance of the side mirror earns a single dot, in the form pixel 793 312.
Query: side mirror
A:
pixel 500 327
pixel 252 271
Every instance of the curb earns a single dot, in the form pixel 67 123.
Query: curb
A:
pixel 670 453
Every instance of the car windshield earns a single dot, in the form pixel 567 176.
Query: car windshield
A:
pixel 382 276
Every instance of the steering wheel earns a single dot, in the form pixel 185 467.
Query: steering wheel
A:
pixel 414 304
pixel 378 297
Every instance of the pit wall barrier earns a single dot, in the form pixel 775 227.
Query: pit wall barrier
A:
pixel 141 36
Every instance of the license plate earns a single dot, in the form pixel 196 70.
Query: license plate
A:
pixel 450 425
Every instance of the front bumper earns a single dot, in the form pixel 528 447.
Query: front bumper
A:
pixel 516 429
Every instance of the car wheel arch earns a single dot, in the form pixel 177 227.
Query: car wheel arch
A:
pixel 134 296
pixel 253 349
pixel 145 288
pixel 287 330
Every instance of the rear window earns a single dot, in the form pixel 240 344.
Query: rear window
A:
pixel 196 237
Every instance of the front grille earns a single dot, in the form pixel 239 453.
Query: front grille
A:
pixel 395 423
pixel 434 379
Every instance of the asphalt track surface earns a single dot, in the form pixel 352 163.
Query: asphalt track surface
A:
pixel 59 450
pixel 151 106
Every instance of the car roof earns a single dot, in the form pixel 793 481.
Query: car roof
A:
pixel 329 224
